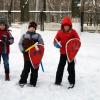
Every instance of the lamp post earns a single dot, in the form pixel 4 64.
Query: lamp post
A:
pixel 42 16
pixel 82 14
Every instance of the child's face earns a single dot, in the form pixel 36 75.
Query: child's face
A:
pixel 66 28
pixel 31 29
pixel 2 26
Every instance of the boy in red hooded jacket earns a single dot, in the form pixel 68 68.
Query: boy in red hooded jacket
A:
pixel 6 39
pixel 63 35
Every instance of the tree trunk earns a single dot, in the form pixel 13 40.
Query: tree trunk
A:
pixel 37 8
pixel 24 4
pixel 43 15
pixel 75 8
pixel 96 18
pixel 9 13
pixel 82 14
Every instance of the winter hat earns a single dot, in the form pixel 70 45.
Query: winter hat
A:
pixel 32 24
pixel 3 21
pixel 66 21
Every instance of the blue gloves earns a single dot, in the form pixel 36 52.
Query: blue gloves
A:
pixel 57 45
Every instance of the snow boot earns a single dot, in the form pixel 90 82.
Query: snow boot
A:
pixel 21 85
pixel 7 77
pixel 57 83
pixel 31 85
pixel 71 86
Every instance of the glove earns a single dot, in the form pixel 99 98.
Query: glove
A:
pixel 23 51
pixel 57 45
pixel 5 40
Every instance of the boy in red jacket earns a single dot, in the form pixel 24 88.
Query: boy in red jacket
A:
pixel 63 35
pixel 6 39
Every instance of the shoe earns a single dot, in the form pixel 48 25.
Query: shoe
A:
pixel 71 86
pixel 31 85
pixel 57 83
pixel 7 77
pixel 21 84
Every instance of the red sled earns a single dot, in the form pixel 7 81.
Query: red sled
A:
pixel 72 47
pixel 36 54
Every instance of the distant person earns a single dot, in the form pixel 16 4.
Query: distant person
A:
pixel 27 40
pixel 63 35
pixel 6 39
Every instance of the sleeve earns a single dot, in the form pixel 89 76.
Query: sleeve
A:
pixel 57 38
pixel 76 34
pixel 40 39
pixel 21 43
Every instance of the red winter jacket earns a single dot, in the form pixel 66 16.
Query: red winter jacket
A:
pixel 4 47
pixel 63 37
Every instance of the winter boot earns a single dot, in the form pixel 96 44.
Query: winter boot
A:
pixel 71 86
pixel 7 77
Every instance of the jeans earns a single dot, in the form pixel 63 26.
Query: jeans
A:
pixel 5 57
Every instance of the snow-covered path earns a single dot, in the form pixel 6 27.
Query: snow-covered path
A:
pixel 87 72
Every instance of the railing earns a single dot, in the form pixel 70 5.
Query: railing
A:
pixel 39 16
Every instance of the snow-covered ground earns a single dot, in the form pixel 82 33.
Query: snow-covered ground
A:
pixel 87 72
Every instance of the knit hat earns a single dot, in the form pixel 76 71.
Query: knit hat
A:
pixel 3 21
pixel 32 24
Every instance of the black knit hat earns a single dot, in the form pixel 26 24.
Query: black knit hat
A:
pixel 32 24
pixel 3 21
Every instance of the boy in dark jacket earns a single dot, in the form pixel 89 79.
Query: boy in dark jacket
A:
pixel 27 40
pixel 63 35
pixel 6 39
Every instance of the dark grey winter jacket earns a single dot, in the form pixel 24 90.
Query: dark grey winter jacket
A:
pixel 28 40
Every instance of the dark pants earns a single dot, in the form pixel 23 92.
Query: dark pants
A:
pixel 25 72
pixel 60 70
pixel 5 57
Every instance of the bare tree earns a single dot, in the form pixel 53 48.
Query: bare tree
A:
pixel 57 5
pixel 96 15
pixel 82 14
pixel 9 12
pixel 75 8
pixel 43 15
pixel 24 5
pixel 37 8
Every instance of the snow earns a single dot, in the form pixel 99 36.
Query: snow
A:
pixel 87 71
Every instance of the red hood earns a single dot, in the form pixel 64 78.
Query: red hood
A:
pixel 66 21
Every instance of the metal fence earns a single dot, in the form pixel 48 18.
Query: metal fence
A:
pixel 40 17
pixel 49 17
pixel 91 21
